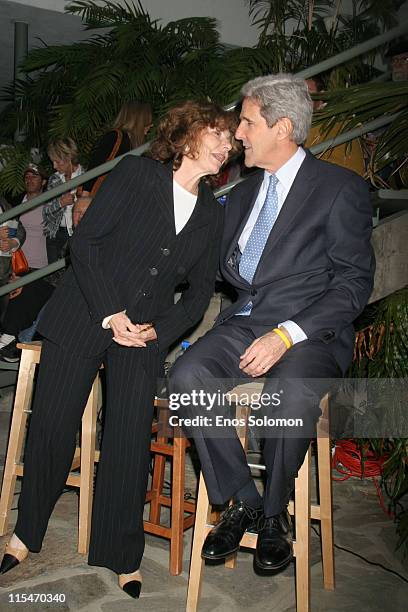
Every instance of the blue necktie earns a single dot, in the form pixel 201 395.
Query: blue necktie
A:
pixel 259 235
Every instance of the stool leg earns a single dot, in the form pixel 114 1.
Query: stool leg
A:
pixel 203 512
pixel 158 470
pixel 241 413
pixel 22 401
pixel 88 439
pixel 157 488
pixel 177 504
pixel 302 519
pixel 326 499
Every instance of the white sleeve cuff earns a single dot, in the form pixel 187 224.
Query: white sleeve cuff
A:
pixel 295 332
pixel 14 249
pixel 105 322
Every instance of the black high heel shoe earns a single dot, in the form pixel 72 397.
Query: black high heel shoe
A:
pixel 131 583
pixel 12 557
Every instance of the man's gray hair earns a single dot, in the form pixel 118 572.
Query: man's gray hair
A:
pixel 282 95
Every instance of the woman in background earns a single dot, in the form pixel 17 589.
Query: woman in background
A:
pixel 128 132
pixel 27 301
pixel 57 213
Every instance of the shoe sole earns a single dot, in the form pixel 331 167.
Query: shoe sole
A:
pixel 272 568
pixel 219 557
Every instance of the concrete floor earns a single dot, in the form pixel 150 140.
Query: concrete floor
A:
pixel 360 526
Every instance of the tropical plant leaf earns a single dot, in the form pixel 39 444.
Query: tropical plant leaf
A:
pixel 14 160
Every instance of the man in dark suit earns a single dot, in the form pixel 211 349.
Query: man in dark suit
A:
pixel 296 250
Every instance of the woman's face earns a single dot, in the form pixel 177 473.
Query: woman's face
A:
pixel 63 165
pixel 214 148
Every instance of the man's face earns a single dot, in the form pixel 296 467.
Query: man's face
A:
pixel 33 182
pixel 260 141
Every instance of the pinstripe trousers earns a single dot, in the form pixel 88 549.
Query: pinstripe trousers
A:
pixel 64 382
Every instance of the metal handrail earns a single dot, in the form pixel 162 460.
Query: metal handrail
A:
pixel 341 139
pixel 340 58
pixel 107 166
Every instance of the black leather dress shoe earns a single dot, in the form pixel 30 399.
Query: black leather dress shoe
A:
pixel 274 548
pixel 223 540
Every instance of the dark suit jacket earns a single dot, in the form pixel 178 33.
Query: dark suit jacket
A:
pixel 126 255
pixel 317 267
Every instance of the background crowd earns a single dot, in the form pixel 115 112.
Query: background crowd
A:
pixel 44 231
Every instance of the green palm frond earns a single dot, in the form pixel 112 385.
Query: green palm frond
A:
pixel 383 12
pixel 108 14
pixel 14 160
pixel 50 56
pixel 77 89
pixel 198 33
pixel 351 107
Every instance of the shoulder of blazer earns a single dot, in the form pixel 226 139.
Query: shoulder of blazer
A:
pixel 143 163
pixel 206 194
pixel 327 171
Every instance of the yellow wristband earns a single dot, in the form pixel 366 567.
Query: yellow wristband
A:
pixel 283 337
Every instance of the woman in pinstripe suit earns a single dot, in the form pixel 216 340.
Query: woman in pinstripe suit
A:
pixel 151 226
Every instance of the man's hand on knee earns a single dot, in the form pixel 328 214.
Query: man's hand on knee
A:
pixel 262 354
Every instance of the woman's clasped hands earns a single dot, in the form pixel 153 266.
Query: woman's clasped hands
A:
pixel 127 333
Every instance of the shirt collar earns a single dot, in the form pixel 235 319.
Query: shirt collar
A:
pixel 287 173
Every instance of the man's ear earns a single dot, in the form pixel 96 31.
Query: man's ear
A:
pixel 285 128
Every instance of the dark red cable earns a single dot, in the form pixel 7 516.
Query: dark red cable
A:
pixel 349 461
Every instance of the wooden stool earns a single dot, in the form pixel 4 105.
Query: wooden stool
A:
pixel 302 509
pixel 84 456
pixel 170 443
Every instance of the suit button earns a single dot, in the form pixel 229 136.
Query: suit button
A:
pixel 154 271
pixel 146 294
pixel 254 292
pixel 181 270
pixel 165 252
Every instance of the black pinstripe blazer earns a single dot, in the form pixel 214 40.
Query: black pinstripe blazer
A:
pixel 126 255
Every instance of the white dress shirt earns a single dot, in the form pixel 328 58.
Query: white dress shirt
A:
pixel 285 175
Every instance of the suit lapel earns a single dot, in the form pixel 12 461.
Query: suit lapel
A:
pixel 201 213
pixel 247 202
pixel 164 193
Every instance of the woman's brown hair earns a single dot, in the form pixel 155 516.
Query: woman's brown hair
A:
pixel 133 118
pixel 179 131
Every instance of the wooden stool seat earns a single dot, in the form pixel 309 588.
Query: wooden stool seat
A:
pixel 302 509
pixel 86 456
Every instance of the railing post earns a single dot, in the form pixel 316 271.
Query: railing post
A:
pixel 20 53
